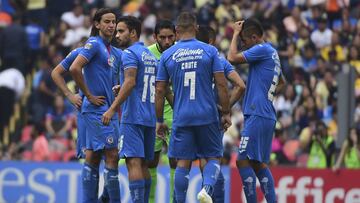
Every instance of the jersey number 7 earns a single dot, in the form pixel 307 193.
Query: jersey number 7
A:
pixel 190 80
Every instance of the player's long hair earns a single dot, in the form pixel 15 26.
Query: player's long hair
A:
pixel 97 18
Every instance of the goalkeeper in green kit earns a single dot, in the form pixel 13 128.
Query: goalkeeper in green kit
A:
pixel 164 35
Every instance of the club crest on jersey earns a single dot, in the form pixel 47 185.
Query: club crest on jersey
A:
pixel 110 140
pixel 111 60
pixel 88 46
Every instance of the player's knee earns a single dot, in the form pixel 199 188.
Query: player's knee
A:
pixel 133 163
pixel 155 162
pixel 243 163
pixel 93 158
pixel 172 163
pixel 202 164
pixel 184 164
pixel 111 158
pixel 257 166
pixel 152 164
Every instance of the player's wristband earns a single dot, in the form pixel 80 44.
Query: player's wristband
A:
pixel 160 120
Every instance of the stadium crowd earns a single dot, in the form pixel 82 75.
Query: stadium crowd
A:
pixel 313 37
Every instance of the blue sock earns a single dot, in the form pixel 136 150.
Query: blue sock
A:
pixel 112 184
pixel 210 174
pixel 137 190
pixel 104 196
pixel 267 184
pixel 90 183
pixel 174 197
pixel 181 184
pixel 219 189
pixel 147 189
pixel 249 183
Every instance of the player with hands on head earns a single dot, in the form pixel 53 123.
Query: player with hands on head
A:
pixel 259 112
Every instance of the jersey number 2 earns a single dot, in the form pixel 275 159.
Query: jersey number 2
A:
pixel 275 79
pixel 149 81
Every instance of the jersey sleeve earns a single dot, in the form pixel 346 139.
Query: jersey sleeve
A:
pixel 162 74
pixel 216 65
pixel 67 61
pixel 228 68
pixel 90 49
pixel 255 53
pixel 129 59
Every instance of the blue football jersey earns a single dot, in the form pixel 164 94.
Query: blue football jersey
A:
pixel 139 107
pixel 190 66
pixel 103 61
pixel 264 73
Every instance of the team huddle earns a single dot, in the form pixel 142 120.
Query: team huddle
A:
pixel 134 100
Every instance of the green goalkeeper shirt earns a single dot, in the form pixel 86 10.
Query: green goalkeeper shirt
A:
pixel 168 112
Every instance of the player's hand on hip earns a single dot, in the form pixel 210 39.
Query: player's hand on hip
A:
pixel 226 121
pixel 161 130
pixel 238 26
pixel 76 100
pixel 116 90
pixel 97 100
pixel 106 117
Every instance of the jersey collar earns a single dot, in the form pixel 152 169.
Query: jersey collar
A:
pixel 188 40
pixel 106 43
pixel 158 48
pixel 138 43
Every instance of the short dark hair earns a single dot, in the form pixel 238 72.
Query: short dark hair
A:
pixel 185 20
pixel 252 26
pixel 97 18
pixel 164 24
pixel 205 34
pixel 132 23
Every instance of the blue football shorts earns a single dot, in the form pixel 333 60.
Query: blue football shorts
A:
pixel 256 139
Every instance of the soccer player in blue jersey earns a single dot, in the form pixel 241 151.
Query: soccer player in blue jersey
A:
pixel 259 112
pixel 137 97
pixel 192 66
pixel 98 58
pixel 207 35
pixel 76 100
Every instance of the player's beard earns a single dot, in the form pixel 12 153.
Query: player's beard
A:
pixel 125 43
pixel 163 48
